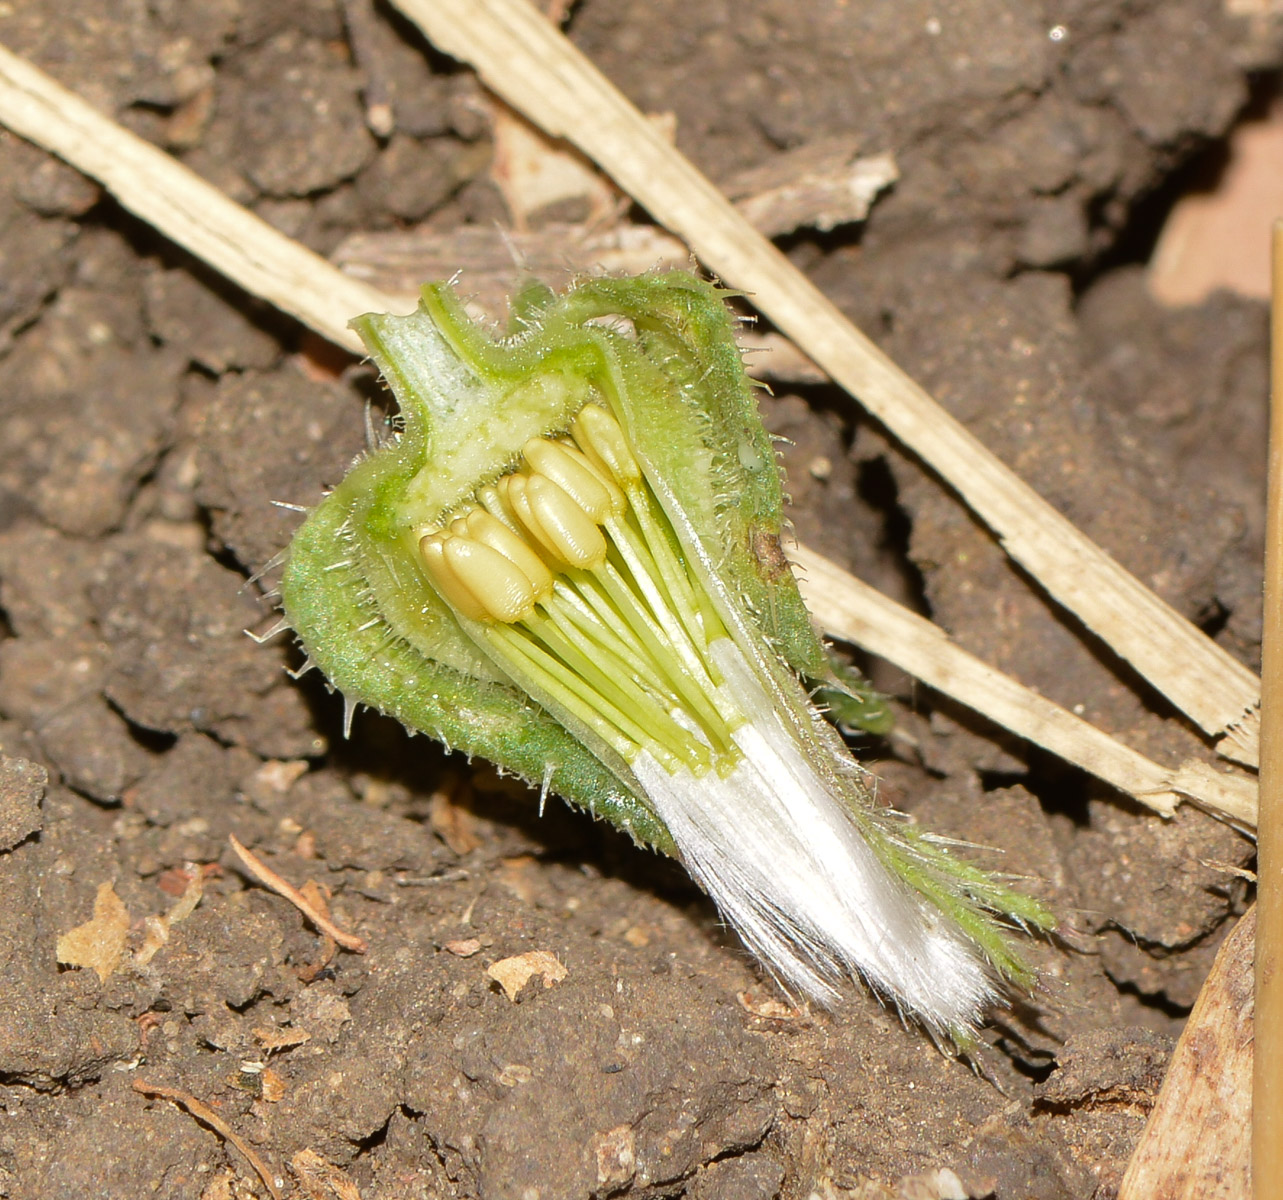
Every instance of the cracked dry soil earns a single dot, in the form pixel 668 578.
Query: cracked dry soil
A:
pixel 149 415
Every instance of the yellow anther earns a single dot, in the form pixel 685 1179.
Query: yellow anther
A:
pixel 598 468
pixel 563 526
pixel 513 490
pixel 599 435
pixel 494 499
pixel 494 533
pixel 447 583
pixel 495 582
pixel 573 473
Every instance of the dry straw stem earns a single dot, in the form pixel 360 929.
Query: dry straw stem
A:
pixel 1267 1081
pixel 237 244
pixel 858 613
pixel 525 59
pixel 1195 1144
pixel 179 203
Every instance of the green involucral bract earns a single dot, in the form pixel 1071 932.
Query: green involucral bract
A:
pixel 567 560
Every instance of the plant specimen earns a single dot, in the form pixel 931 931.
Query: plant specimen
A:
pixel 568 560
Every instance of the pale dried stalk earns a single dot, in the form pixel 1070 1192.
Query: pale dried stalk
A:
pixel 282 887
pixel 855 612
pixel 207 1116
pixel 1267 1082
pixel 183 206
pixel 526 60
pixel 237 244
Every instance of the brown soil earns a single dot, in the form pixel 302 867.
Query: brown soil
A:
pixel 149 416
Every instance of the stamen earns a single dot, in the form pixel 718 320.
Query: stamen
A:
pixel 497 583
pixel 445 580
pixel 599 498
pixel 492 532
pixel 600 437
pixel 651 725
pixel 493 498
pixel 616 629
pixel 623 735
pixel 689 602
pixel 585 609
pixel 557 521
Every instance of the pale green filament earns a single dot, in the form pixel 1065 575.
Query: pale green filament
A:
pixel 620 639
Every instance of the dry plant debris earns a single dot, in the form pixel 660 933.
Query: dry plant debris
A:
pixel 1267 1073
pixel 512 974
pixel 156 929
pixel 281 1039
pixel 321 1180
pixel 100 942
pixel 207 1116
pixel 1196 1143
pixel 309 908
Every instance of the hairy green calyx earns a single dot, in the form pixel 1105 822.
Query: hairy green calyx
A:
pixel 568 561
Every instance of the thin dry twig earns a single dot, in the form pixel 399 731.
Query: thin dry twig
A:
pixel 536 70
pixel 269 878
pixel 207 1116
pixel 47 114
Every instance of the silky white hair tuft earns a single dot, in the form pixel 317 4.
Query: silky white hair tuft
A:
pixel 780 855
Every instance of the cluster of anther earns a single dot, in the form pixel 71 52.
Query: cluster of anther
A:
pixel 496 561
pixel 570 567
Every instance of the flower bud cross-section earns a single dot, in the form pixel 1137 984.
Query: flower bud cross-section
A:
pixel 567 560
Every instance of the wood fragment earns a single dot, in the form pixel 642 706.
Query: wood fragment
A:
pixel 272 1086
pixel 487 259
pixel 100 942
pixel 1195 1145
pixel 536 70
pixel 819 185
pixel 207 1116
pixel 270 879
pixel 512 974
pixel 536 176
pixel 453 823
pixel 1267 1082
pixel 280 1039
pixel 157 928
pixel 322 1180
